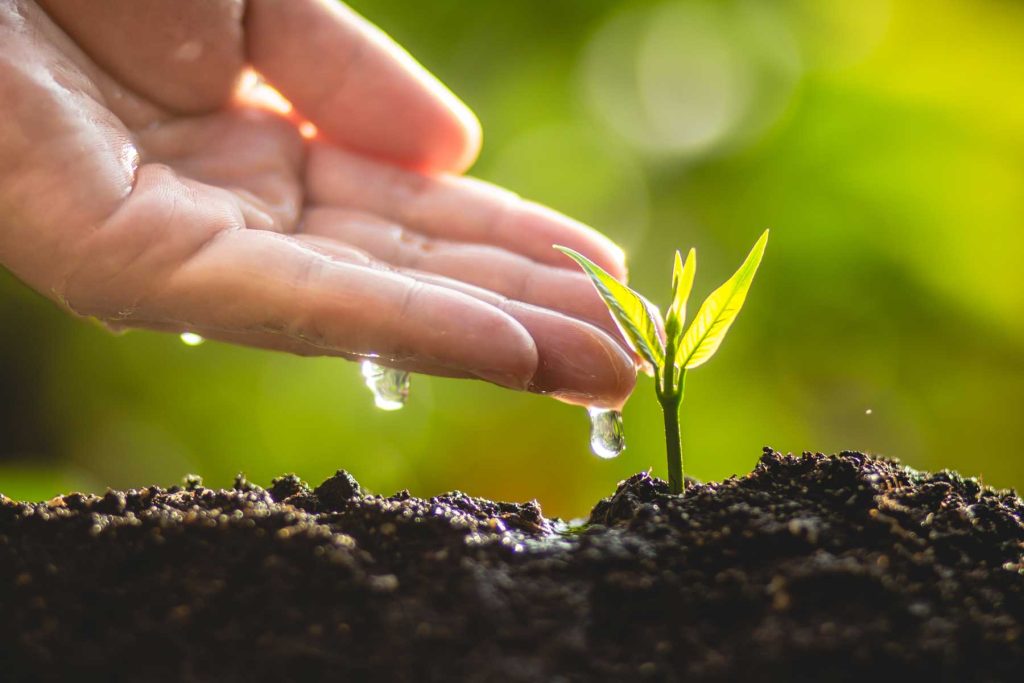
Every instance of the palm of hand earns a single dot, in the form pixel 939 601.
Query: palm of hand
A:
pixel 227 222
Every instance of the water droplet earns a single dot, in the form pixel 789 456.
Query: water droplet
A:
pixel 868 411
pixel 390 387
pixel 607 438
pixel 191 339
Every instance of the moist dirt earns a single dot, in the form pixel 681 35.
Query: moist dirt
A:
pixel 810 568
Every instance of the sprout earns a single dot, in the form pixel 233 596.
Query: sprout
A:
pixel 678 351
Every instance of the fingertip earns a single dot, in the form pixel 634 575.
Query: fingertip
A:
pixel 612 397
pixel 620 268
pixel 613 258
pixel 533 217
pixel 446 136
pixel 578 363
pixel 456 137
pixel 466 139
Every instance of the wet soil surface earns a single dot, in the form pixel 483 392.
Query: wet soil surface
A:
pixel 813 568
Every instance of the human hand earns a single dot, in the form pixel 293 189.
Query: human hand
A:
pixel 140 187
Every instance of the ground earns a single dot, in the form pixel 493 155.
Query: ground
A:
pixel 811 567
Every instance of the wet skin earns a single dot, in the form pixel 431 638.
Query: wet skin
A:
pixel 140 185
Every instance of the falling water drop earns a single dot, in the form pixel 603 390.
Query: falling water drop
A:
pixel 607 438
pixel 390 387
pixel 191 339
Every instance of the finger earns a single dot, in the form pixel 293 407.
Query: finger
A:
pixel 577 362
pixel 183 54
pixel 509 274
pixel 278 342
pixel 454 208
pixel 361 90
pixel 269 283
pixel 179 252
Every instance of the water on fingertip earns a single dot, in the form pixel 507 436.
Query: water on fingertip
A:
pixel 607 437
pixel 191 339
pixel 390 387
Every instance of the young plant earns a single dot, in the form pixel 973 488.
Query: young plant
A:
pixel 675 352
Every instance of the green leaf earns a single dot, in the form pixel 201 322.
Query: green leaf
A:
pixel 682 283
pixel 718 312
pixel 636 317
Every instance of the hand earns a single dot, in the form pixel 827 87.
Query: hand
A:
pixel 140 186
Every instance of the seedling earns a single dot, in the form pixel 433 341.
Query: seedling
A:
pixel 673 353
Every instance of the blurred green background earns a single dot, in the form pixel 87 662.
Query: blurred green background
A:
pixel 883 142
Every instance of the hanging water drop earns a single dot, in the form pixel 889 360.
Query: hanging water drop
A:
pixel 607 437
pixel 390 387
pixel 191 339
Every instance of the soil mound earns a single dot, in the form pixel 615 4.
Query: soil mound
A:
pixel 816 568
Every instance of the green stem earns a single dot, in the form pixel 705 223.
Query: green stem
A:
pixel 673 442
pixel 670 396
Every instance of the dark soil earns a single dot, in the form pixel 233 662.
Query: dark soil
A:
pixel 813 568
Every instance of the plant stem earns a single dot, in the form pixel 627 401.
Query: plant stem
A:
pixel 670 396
pixel 673 442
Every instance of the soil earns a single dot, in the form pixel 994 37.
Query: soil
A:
pixel 811 568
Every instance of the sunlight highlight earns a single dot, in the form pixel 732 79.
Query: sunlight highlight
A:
pixel 256 92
